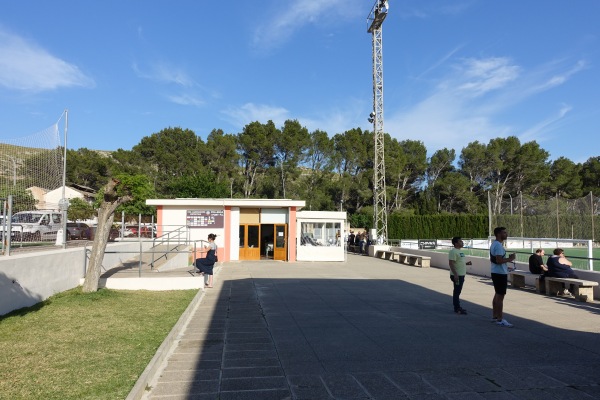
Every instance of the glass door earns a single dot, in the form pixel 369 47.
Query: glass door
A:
pixel 280 250
pixel 249 242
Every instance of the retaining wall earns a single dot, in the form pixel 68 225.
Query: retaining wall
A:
pixel 26 279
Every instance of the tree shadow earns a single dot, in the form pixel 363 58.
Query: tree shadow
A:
pixel 13 293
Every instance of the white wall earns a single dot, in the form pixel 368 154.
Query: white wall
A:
pixel 26 279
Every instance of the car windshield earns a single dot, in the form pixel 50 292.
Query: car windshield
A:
pixel 25 218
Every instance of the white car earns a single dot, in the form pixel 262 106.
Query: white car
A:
pixel 36 225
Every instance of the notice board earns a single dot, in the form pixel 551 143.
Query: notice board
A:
pixel 205 218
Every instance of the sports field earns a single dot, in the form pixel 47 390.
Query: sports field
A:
pixel 577 255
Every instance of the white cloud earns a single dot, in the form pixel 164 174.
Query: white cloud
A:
pixel 186 100
pixel 250 112
pixel 289 16
pixel 26 66
pixel 469 103
pixel 164 73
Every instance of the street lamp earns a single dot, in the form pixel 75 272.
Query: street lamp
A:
pixel 511 207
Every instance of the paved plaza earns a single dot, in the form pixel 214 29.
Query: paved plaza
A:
pixel 375 329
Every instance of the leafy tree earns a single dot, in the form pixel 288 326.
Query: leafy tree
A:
pixel 80 209
pixel 405 166
pixel 590 175
pixel 22 200
pixel 203 185
pixel 255 146
pixel 565 178
pixel 291 142
pixel 137 189
pixel 454 194
pixel 172 152
pixel 87 167
pixel 222 157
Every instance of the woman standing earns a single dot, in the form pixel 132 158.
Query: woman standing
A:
pixel 205 265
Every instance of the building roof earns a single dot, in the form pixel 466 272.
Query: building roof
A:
pixel 262 203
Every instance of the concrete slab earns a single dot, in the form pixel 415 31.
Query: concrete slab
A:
pixel 377 330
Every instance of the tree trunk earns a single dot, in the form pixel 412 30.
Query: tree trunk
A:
pixel 105 220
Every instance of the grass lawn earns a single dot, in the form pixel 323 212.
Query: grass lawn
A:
pixel 85 346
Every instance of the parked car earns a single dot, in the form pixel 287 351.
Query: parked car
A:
pixel 114 233
pixel 35 225
pixel 77 230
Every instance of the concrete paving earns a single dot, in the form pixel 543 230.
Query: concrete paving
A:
pixel 376 329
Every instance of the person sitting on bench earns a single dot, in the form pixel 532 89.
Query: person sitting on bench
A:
pixel 536 263
pixel 560 267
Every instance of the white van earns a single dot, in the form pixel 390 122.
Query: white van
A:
pixel 35 225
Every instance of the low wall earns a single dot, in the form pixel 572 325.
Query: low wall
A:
pixel 481 266
pixel 26 279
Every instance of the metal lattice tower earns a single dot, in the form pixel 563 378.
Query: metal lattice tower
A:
pixel 374 22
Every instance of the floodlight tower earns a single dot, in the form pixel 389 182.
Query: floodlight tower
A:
pixel 374 21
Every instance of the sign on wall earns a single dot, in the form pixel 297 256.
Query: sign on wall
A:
pixel 427 243
pixel 205 218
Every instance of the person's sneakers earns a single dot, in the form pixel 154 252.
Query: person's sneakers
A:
pixel 461 311
pixel 504 323
pixel 565 293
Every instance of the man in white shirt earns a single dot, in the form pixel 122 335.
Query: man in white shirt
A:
pixel 499 271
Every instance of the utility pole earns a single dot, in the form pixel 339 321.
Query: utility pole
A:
pixel 374 21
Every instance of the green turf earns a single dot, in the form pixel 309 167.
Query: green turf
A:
pixel 577 255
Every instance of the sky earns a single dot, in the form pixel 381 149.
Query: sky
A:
pixel 454 71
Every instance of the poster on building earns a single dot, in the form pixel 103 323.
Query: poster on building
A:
pixel 205 218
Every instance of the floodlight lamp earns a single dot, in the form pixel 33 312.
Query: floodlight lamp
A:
pixel 371 120
pixel 372 115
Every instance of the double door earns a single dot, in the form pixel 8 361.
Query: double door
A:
pixel 266 240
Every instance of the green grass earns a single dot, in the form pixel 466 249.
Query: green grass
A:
pixel 85 346
pixel 523 255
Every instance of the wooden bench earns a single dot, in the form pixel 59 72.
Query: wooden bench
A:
pixel 582 290
pixel 518 280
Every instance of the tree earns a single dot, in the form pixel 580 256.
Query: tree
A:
pixel 172 152
pixel 203 185
pixel 22 199
pixel 405 166
pixel 80 209
pixel 291 142
pixel 255 146
pixel 87 167
pixel 114 194
pixel 590 175
pixel 565 178
pixel 222 157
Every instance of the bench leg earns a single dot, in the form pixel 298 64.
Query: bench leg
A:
pixel 425 263
pixel 584 293
pixel 552 288
pixel 402 259
pixel 540 285
pixel 518 281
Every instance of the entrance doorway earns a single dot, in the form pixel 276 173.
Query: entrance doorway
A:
pixel 274 241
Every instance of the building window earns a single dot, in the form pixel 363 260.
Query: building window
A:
pixel 320 234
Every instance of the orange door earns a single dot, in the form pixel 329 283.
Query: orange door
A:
pixel 280 249
pixel 249 242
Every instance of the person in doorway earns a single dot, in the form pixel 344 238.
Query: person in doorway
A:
pixel 458 270
pixel 536 262
pixel 499 272
pixel 560 267
pixel 206 265
pixel 351 239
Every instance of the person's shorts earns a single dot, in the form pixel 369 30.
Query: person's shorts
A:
pixel 500 283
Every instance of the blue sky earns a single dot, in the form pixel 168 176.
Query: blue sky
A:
pixel 454 71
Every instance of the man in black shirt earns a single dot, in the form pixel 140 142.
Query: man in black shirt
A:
pixel 536 263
